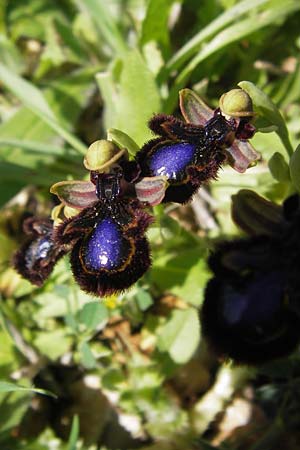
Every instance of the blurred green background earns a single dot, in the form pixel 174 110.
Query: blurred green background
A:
pixel 132 371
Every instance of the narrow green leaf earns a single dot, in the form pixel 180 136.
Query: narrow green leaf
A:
pixel 264 106
pixel 99 12
pixel 193 45
pixel 74 434
pixel 229 35
pixel 6 386
pixel 181 334
pixel 36 147
pixel 25 91
pixel 295 168
pixel 155 23
pixel 33 98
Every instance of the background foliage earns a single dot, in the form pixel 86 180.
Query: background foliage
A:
pixel 132 372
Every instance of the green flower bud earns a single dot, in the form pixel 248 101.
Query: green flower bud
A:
pixel 101 155
pixel 236 103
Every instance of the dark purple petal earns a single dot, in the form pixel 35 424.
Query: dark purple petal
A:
pixel 37 257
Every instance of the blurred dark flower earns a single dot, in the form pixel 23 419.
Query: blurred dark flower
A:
pixel 251 311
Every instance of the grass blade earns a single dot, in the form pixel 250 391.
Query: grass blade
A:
pixel 99 13
pixel 33 99
pixel 214 27
pixel 232 34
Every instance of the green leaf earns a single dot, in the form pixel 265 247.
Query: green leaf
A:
pixel 193 45
pixel 231 34
pixel 139 98
pixel 264 106
pixel 33 98
pixel 155 24
pixel 144 299
pixel 74 434
pixel 279 168
pixel 87 357
pixel 182 272
pixel 93 314
pixel 180 336
pixel 6 386
pixel 133 101
pixel 54 343
pixel 295 168
pixel 98 11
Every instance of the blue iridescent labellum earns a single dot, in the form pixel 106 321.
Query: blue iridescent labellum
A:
pixel 110 251
pixel 38 255
pixel 105 247
pixel 187 154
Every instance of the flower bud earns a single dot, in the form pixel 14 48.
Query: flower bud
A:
pixel 102 154
pixel 236 103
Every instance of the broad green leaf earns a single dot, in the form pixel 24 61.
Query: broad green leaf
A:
pixel 53 344
pixel 108 88
pixel 133 101
pixel 295 168
pixel 144 299
pixel 182 272
pixel 6 386
pixel 180 336
pixel 87 357
pixel 93 314
pixel 139 98
pixel 264 106
pixel 279 168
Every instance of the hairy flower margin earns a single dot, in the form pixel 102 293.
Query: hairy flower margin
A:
pixel 251 311
pixel 102 222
